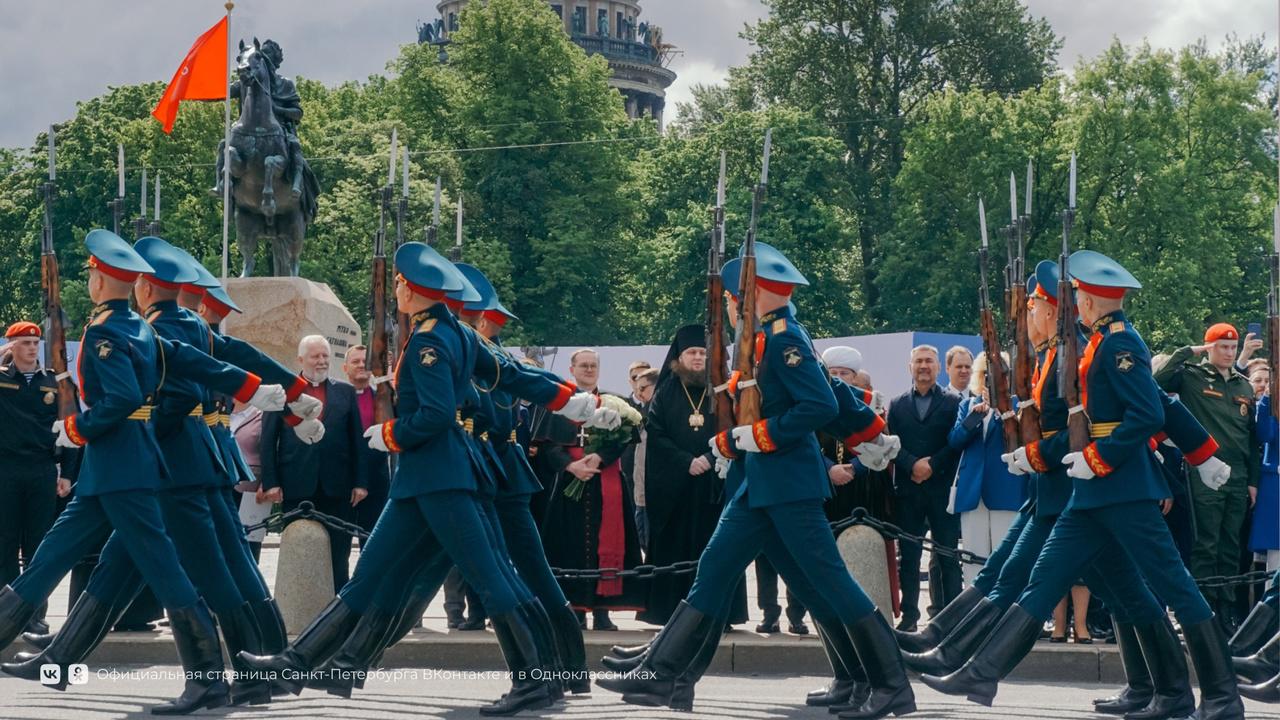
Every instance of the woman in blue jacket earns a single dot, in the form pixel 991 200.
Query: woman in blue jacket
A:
pixel 1264 537
pixel 984 494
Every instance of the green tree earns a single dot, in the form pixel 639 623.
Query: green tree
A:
pixel 865 68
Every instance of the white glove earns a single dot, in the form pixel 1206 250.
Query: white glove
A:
pixel 605 418
pixel 744 439
pixel 580 407
pixel 1017 461
pixel 310 431
pixel 875 454
pixel 1077 467
pixel 374 434
pixel 306 407
pixel 63 440
pixel 722 467
pixel 268 398
pixel 1214 473
pixel 715 449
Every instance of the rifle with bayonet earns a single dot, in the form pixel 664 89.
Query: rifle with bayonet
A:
pixel 378 359
pixel 455 252
pixel 55 337
pixel 401 329
pixel 116 205
pixel 153 228
pixel 140 222
pixel 1024 353
pixel 997 372
pixel 748 407
pixel 717 353
pixel 1068 334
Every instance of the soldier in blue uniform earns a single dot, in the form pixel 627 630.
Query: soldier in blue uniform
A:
pixel 121 367
pixel 433 494
pixel 1113 577
pixel 784 489
pixel 189 513
pixel 1113 507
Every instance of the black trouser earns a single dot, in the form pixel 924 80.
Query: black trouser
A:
pixel 767 593
pixel 916 510
pixel 28 507
pixel 339 541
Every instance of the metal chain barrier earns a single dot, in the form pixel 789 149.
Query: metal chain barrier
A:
pixel 859 516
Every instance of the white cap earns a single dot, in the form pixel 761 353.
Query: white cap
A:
pixel 842 356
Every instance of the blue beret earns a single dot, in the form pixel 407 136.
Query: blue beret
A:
pixel 1093 268
pixel 422 266
pixel 108 251
pixel 488 294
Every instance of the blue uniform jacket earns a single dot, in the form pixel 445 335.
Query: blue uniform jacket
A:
pixel 122 363
pixel 982 474
pixel 518 477
pixel 1125 409
pixel 1265 534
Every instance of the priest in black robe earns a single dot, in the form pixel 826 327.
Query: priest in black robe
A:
pixel 683 494
pixel 593 526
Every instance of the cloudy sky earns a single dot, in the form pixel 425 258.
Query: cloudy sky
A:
pixel 54 53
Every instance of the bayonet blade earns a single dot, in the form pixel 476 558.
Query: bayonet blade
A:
pixel 720 184
pixel 142 208
pixel 982 222
pixel 768 149
pixel 404 191
pixel 435 210
pixel 1071 196
pixel 156 213
pixel 1031 173
pixel 391 166
pixel 1013 199
pixel 53 172
pixel 458 241
pixel 120 170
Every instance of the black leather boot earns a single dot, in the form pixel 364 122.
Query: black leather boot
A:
pixel 87 622
pixel 338 675
pixel 520 649
pixel 682 689
pixel 240 633
pixel 1138 690
pixel 1268 692
pixel 270 625
pixel 940 625
pixel 960 645
pixel 626 652
pixel 891 692
pixel 1263 664
pixel 38 641
pixel 544 638
pixel 312 647
pixel 15 613
pixel 1219 698
pixel 1260 626
pixel 979 679
pixel 201 654
pixel 573 652
pixel 1170 682
pixel 848 688
pixel 654 683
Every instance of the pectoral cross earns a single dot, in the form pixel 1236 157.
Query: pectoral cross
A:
pixel 582 436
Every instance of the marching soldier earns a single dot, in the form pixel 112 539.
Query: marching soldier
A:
pixel 1125 408
pixel 434 493
pixel 36 472
pixel 783 490
pixel 122 365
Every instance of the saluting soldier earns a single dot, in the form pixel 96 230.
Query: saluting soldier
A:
pixel 783 491
pixel 36 472
pixel 434 508
pixel 122 365
pixel 1106 519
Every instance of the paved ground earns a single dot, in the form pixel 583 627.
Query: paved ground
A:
pixel 719 698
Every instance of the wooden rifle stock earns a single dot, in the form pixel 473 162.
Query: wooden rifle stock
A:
pixel 1024 368
pixel 1068 367
pixel 748 405
pixel 998 379
pixel 379 356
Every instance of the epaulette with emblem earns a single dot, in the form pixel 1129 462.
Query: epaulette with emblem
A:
pixel 427 325
pixel 101 317
pixel 779 326
pixel 1116 327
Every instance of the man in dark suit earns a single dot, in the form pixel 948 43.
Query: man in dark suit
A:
pixel 332 473
pixel 923 472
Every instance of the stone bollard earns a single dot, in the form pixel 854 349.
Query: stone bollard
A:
pixel 304 573
pixel 862 549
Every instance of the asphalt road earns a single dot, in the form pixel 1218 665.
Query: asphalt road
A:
pixel 110 694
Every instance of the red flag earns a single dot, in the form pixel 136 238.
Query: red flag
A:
pixel 201 76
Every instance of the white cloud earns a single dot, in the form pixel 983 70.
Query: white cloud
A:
pixel 697 72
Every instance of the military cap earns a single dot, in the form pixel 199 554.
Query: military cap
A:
pixel 112 255
pixel 1044 283
pixel 774 272
pixel 21 329
pixel 172 266
pixel 1099 275
pixel 730 275
pixel 488 305
pixel 218 299
pixel 204 279
pixel 426 271
pixel 456 299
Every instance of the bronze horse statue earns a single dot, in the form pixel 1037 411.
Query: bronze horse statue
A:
pixel 272 188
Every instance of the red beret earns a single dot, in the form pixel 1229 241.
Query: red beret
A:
pixel 1221 331
pixel 23 328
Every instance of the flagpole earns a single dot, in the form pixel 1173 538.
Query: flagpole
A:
pixel 226 151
